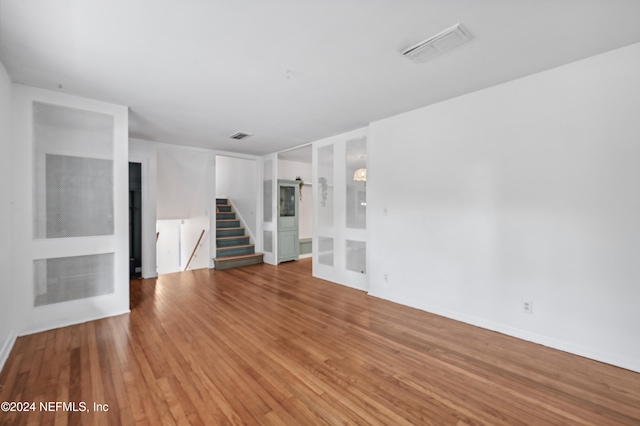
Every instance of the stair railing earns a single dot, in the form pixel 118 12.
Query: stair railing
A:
pixel 194 250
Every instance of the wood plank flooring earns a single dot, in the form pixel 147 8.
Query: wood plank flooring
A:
pixel 274 346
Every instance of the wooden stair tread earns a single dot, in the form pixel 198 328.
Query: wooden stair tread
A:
pixel 233 259
pixel 235 247
pixel 240 256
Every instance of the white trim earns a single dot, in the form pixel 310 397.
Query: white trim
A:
pixel 62 324
pixel 6 348
pixel 197 149
pixel 236 155
pixel 310 144
pixel 607 358
pixel 174 145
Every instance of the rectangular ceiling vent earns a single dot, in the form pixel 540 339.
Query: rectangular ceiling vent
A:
pixel 439 43
pixel 240 135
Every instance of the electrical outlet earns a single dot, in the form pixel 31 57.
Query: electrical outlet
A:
pixel 385 211
pixel 527 307
pixel 386 277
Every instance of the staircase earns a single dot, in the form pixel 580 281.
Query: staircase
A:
pixel 232 245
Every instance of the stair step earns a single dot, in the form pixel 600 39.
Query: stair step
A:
pixel 235 250
pixel 225 215
pixel 227 223
pixel 222 201
pixel 235 240
pixel 235 261
pixel 230 232
pixel 221 208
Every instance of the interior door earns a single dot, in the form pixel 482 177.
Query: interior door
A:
pixel 288 208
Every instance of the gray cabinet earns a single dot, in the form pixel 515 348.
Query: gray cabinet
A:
pixel 288 212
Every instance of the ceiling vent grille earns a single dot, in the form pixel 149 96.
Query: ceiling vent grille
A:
pixel 439 43
pixel 240 135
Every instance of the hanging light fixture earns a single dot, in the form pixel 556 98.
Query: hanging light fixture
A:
pixel 360 175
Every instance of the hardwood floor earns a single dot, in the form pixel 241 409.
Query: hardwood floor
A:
pixel 271 345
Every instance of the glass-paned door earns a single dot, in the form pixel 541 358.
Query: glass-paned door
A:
pixel 340 219
pixel 288 209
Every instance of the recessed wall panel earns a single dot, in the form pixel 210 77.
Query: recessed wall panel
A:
pixel 73 173
pixel 79 196
pixel 267 183
pixel 64 279
pixel 267 238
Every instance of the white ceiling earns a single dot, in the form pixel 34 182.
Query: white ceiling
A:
pixel 289 71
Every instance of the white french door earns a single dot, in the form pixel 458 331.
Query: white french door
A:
pixel 340 205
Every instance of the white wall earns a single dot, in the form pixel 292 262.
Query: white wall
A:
pixel 176 241
pixel 145 153
pixel 290 170
pixel 527 191
pixel 181 181
pixel 26 248
pixel 190 232
pixel 7 333
pixel 236 178
pixel 185 192
pixel 168 250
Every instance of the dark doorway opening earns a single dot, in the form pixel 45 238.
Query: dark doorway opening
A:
pixel 135 220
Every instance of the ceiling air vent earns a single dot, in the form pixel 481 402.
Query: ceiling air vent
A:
pixel 240 135
pixel 439 43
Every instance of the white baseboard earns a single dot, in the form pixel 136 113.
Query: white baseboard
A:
pixel 6 349
pixel 591 353
pixel 61 324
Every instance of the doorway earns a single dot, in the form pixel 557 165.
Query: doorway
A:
pixel 135 220
pixel 295 165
